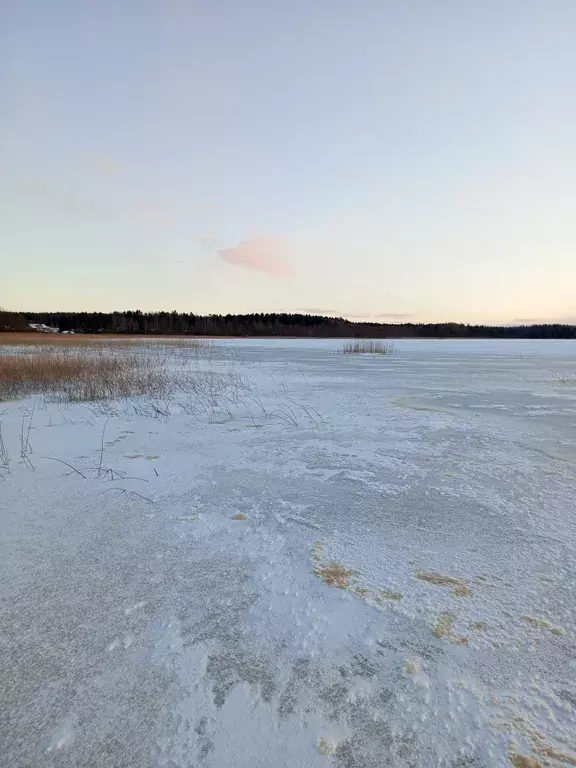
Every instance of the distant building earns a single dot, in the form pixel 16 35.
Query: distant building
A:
pixel 42 328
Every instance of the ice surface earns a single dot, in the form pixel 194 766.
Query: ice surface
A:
pixel 368 561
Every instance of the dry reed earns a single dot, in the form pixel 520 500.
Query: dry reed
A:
pixel 368 346
pixel 80 340
pixel 81 376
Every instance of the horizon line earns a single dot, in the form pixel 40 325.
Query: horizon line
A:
pixel 331 316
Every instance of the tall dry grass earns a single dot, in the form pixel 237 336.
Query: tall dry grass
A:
pixel 82 367
pixel 368 346
pixel 80 376
pixel 80 340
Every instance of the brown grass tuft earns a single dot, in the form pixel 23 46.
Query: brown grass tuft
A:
pixel 335 575
pixel 555 754
pixel 543 624
pixel 461 588
pixel 386 594
pixel 523 761
pixel 444 629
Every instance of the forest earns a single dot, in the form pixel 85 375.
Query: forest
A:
pixel 268 324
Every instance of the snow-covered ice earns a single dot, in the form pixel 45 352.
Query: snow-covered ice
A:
pixel 358 561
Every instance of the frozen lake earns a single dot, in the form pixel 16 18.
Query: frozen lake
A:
pixel 352 561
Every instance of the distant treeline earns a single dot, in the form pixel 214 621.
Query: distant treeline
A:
pixel 269 324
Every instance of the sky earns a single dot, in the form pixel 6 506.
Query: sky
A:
pixel 382 160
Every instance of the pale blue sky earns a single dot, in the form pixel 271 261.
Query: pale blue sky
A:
pixel 381 158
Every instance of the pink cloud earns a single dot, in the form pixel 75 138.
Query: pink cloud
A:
pixel 266 254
